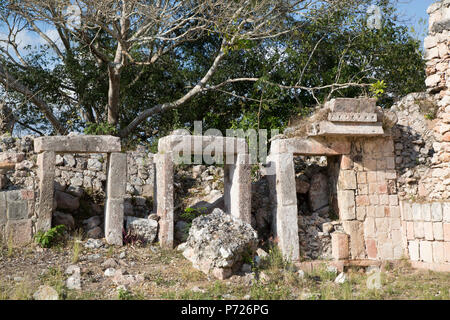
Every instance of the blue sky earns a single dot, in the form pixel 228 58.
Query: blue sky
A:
pixel 411 11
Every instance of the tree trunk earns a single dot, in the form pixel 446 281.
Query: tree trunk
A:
pixel 113 95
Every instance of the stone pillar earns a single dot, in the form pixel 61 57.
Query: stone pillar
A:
pixel 237 188
pixel 164 198
pixel 339 246
pixel 46 173
pixel 284 200
pixel 115 193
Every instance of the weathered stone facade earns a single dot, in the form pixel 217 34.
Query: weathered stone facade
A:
pixel 79 184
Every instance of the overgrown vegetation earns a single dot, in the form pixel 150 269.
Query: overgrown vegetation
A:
pixel 48 238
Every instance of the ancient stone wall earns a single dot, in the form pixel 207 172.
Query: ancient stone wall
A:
pixel 437 46
pixel 367 198
pixel 80 185
pixel 422 148
pixel 427 231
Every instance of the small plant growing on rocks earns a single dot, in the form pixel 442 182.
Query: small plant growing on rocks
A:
pixel 124 294
pixel 48 238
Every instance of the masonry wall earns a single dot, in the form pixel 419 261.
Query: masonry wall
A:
pixel 437 46
pixel 80 182
pixel 427 230
pixel 368 202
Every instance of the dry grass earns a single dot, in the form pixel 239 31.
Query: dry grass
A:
pixel 169 276
pixel 301 125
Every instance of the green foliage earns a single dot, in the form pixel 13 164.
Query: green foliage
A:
pixel 50 237
pixel 124 294
pixel 103 128
pixel 377 89
pixel 190 214
pixel 337 48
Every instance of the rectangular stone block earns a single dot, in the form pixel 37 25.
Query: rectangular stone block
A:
pixel 362 201
pixel 369 228
pixel 426 251
pixel 237 188
pixel 164 191
pixel 3 216
pixel 364 105
pixel 114 210
pixel 428 230
pixel 418 230
pixel 19 231
pixel 347 180
pixel 436 211
pixel 438 252
pixel 352 117
pixel 285 226
pixel 181 145
pixel 78 144
pixel 413 249
pixel 447 251
pixel 395 211
pixel 406 210
pixel 361 213
pixel 446 211
pixel 361 177
pixel 117 175
pixel 312 146
pixel 410 230
pixel 346 163
pixel 387 251
pixel 371 247
pixel 17 210
pixel 284 191
pixel 356 232
pixel 346 204
pixel 339 246
pixel 426 211
pixel 417 212
pixel 46 174
pixel 382 224
pixel 393 200
pixel 331 129
pixel 438 231
pixel 446 229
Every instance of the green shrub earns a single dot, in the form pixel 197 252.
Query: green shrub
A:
pixel 50 237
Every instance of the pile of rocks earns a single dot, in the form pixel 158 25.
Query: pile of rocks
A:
pixel 219 244
pixel 414 142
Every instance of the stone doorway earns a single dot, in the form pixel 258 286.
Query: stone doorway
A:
pixel 361 168
pixel 48 147
pixel 237 183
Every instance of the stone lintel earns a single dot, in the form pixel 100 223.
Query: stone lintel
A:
pixel 78 144
pixel 326 128
pixel 199 144
pixel 352 117
pixel 311 146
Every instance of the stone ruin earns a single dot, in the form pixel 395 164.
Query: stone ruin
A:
pixel 383 194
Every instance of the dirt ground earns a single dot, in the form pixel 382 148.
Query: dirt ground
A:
pixel 166 274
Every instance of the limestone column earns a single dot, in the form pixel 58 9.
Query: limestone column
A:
pixel 237 188
pixel 284 201
pixel 46 173
pixel 164 198
pixel 115 195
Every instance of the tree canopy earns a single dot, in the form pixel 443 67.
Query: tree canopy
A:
pixel 139 69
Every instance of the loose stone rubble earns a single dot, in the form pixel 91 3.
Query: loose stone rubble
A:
pixel 218 243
